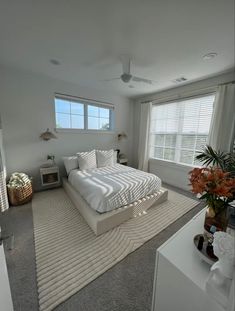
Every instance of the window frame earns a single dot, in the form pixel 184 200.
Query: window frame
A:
pixel 178 133
pixel 86 102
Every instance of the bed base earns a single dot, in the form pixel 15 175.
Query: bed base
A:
pixel 101 223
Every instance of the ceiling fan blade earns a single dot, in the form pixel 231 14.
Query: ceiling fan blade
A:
pixel 112 79
pixel 143 80
pixel 126 64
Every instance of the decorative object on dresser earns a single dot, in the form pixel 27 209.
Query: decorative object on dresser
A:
pixel 50 176
pixel 47 135
pixel 219 282
pixel 205 249
pixel 19 188
pixel 217 188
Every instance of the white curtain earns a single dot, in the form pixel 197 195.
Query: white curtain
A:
pixel 3 190
pixel 143 152
pixel 222 129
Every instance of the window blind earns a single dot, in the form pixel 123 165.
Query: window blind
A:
pixel 180 129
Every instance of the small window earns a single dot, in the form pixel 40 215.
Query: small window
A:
pixel 72 113
pixel 69 114
pixel 98 118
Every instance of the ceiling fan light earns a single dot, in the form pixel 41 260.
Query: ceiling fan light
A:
pixel 126 77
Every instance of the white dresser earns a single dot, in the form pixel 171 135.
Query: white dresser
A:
pixel 180 275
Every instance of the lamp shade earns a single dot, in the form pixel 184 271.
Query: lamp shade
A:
pixel 47 135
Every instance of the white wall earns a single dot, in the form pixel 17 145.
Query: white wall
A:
pixel 27 109
pixel 171 173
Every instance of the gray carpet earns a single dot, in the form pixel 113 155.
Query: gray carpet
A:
pixel 127 286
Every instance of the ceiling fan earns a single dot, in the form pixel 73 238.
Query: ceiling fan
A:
pixel 126 76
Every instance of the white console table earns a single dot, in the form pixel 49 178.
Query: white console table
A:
pixel 180 274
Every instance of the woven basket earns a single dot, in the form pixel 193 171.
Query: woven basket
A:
pixel 20 195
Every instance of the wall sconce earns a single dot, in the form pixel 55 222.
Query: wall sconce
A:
pixel 121 136
pixel 47 135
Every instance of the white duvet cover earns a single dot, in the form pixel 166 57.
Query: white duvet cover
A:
pixel 111 187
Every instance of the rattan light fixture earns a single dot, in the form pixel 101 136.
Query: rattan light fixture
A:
pixel 47 135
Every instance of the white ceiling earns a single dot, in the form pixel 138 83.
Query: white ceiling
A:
pixel 165 39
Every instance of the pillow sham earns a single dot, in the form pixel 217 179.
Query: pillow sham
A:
pixel 104 158
pixel 87 160
pixel 70 163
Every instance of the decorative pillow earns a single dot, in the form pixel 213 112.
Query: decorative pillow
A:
pixel 70 163
pixel 104 158
pixel 87 160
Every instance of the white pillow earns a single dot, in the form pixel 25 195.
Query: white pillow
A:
pixel 104 158
pixel 87 160
pixel 70 163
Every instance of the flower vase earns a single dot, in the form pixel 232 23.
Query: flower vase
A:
pixel 216 220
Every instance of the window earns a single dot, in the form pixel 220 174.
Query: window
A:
pixel 98 118
pixel 72 113
pixel 180 129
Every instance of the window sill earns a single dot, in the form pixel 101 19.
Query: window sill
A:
pixel 185 167
pixel 60 130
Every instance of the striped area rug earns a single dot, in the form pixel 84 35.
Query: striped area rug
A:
pixel 69 255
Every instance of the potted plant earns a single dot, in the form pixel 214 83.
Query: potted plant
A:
pixel 217 188
pixel 226 161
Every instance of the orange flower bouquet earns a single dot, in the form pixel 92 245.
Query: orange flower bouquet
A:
pixel 217 188
pixel 214 185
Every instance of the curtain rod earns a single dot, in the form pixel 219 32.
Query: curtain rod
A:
pixel 179 96
pixel 82 98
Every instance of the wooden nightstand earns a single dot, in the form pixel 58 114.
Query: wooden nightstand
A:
pixel 50 176
pixel 123 161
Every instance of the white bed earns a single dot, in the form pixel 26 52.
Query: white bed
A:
pixel 108 196
pixel 108 188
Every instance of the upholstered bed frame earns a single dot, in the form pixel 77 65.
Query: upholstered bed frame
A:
pixel 101 223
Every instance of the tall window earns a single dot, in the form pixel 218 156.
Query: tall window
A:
pixel 72 113
pixel 180 129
